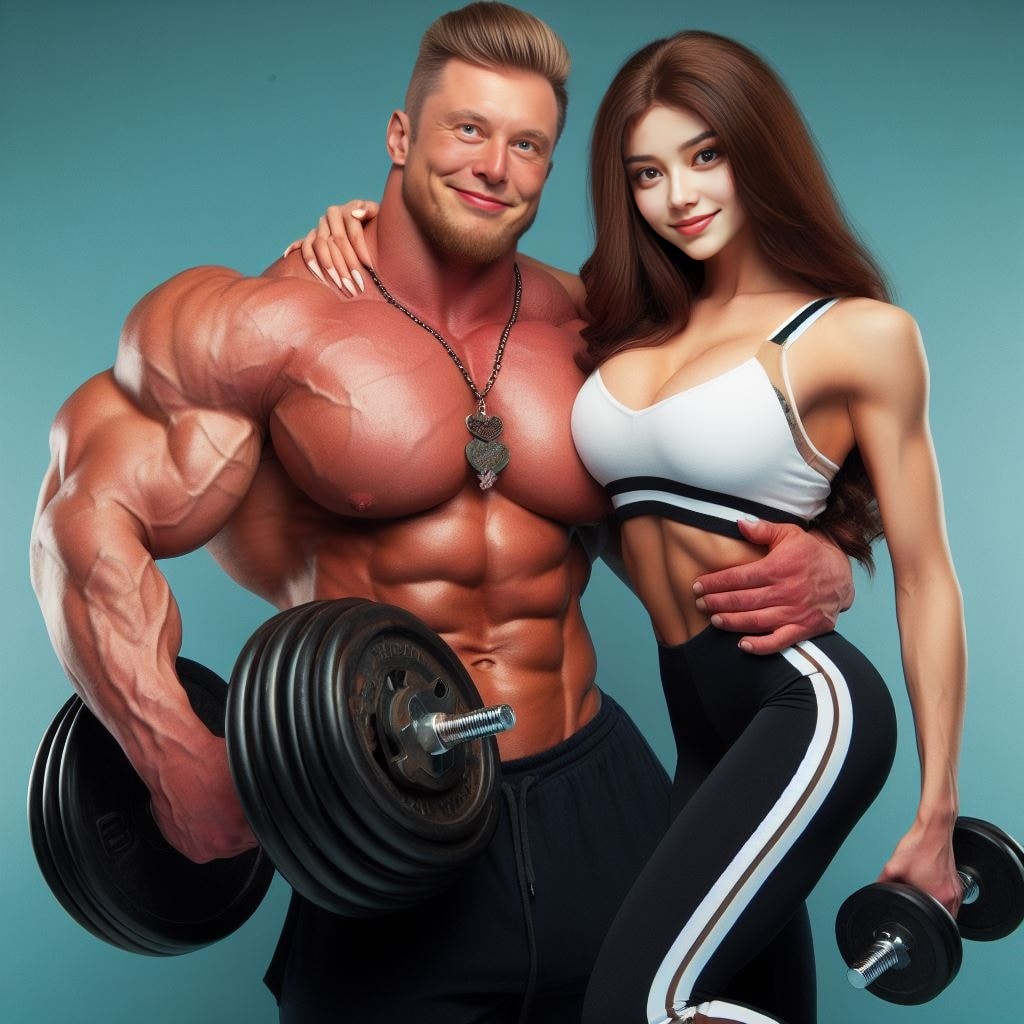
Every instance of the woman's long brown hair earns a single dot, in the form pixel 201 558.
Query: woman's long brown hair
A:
pixel 640 289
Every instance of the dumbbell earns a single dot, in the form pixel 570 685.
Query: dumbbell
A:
pixel 103 856
pixel 903 946
pixel 397 750
pixel 341 749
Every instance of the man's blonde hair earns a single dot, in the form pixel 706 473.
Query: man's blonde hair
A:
pixel 489 35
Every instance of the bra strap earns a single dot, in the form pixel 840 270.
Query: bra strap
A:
pixel 802 319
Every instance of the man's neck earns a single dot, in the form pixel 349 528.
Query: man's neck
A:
pixel 451 295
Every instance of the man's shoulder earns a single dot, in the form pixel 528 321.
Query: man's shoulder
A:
pixel 544 299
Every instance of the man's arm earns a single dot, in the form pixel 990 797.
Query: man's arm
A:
pixel 138 471
pixel 794 592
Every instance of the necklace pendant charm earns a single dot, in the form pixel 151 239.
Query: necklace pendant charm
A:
pixel 484 453
pixel 485 427
pixel 488 458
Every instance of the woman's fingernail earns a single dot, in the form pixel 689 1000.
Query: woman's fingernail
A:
pixel 359 214
pixel 349 287
pixel 334 276
pixel 315 270
pixel 358 278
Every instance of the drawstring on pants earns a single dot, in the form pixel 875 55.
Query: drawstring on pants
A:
pixel 524 871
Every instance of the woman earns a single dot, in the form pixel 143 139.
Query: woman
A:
pixel 746 363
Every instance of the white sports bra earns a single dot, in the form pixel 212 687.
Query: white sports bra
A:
pixel 729 448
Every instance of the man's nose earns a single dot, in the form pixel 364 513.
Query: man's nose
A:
pixel 492 162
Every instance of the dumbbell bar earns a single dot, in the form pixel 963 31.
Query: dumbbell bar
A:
pixel 105 860
pixel 903 946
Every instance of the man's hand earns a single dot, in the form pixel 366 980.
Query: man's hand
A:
pixel 196 807
pixel 794 592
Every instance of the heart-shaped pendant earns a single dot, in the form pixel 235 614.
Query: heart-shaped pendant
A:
pixel 487 456
pixel 485 427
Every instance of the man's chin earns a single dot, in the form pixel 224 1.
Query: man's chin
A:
pixel 475 240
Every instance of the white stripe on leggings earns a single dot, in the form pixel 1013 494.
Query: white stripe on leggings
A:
pixel 764 850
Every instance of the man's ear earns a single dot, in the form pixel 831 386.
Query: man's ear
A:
pixel 399 137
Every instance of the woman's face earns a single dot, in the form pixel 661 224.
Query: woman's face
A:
pixel 681 182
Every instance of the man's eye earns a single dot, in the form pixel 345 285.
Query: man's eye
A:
pixel 469 129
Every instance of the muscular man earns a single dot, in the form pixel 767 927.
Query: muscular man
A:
pixel 316 447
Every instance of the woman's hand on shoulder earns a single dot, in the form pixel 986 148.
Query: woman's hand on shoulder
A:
pixel 337 245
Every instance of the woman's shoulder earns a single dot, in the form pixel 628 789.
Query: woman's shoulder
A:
pixel 877 342
pixel 864 321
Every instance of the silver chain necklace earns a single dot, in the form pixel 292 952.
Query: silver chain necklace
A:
pixel 485 453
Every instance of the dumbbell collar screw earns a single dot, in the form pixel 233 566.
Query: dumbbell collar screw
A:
pixel 889 953
pixel 437 732
pixel 972 890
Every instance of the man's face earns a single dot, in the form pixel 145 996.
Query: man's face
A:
pixel 477 159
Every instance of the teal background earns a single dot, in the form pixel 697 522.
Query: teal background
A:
pixel 137 138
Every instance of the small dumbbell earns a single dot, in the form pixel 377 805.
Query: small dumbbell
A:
pixel 903 946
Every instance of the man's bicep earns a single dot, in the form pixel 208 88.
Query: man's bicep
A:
pixel 172 483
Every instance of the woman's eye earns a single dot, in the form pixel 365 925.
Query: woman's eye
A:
pixel 706 156
pixel 646 174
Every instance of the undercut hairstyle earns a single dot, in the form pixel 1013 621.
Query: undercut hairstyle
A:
pixel 641 289
pixel 489 35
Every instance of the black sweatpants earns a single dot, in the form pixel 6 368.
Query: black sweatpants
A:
pixel 779 756
pixel 523 926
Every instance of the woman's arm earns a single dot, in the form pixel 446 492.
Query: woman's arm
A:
pixel 888 407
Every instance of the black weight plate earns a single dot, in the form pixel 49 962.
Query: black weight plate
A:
pixel 249 770
pixel 146 887
pixel 995 860
pixel 934 943
pixel 363 878
pixel 410 877
pixel 330 889
pixel 37 825
pixel 379 640
pixel 42 790
pixel 86 909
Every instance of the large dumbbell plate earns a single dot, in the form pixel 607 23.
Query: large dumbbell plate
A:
pixel 48 839
pixel 935 948
pixel 378 642
pixel 104 857
pixel 997 862
pixel 307 749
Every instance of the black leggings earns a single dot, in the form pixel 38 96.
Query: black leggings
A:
pixel 779 757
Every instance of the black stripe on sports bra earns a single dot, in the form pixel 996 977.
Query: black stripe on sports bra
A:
pixel 783 333
pixel 693 517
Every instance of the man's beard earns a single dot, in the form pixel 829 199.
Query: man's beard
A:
pixel 461 241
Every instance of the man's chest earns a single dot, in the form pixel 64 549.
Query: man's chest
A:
pixel 375 424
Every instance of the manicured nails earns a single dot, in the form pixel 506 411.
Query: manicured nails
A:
pixel 315 270
pixel 358 278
